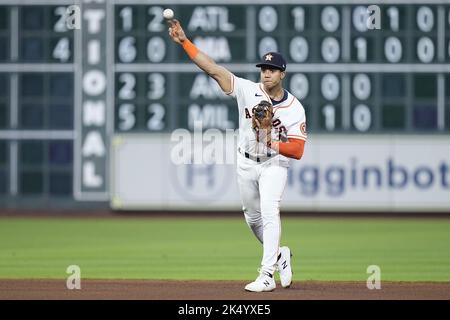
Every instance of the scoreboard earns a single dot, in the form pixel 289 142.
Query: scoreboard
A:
pixel 65 91
pixel 36 103
pixel 349 78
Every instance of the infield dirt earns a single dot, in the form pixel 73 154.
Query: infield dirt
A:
pixel 217 290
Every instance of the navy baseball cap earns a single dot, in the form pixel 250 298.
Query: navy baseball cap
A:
pixel 274 60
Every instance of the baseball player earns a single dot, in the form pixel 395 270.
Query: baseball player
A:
pixel 272 129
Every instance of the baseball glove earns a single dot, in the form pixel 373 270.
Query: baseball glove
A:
pixel 262 122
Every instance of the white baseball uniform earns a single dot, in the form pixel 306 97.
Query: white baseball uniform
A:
pixel 262 173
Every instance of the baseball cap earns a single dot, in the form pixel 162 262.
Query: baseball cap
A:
pixel 273 59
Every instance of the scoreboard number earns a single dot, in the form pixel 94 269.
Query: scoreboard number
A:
pixel 329 112
pixel 330 49
pixel 156 86
pixel 298 49
pixel 127 91
pixel 127 49
pixel 299 86
pixel 60 25
pixel 425 19
pixel 298 13
pixel 156 49
pixel 330 19
pixel 61 51
pixel 361 49
pixel 393 49
pixel 330 87
pixel 425 49
pixel 156 23
pixel 268 19
pixel 127 117
pixel 393 18
pixel 361 86
pixel 267 44
pixel 126 14
pixel 362 117
pixel 157 113
pixel 359 18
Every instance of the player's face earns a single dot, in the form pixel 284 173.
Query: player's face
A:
pixel 271 78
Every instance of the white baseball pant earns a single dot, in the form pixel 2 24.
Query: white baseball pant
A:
pixel 261 186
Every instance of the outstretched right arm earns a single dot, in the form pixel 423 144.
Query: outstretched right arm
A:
pixel 203 61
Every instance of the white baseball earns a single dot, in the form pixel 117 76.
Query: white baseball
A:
pixel 168 14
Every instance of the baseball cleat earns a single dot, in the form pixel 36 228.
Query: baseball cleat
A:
pixel 264 282
pixel 284 267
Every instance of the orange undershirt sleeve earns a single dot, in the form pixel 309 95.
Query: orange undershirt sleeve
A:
pixel 190 49
pixel 292 149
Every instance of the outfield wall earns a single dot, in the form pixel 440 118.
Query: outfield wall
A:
pixel 342 173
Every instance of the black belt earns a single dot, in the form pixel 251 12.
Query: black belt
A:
pixel 252 157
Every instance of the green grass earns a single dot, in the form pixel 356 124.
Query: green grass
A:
pixel 324 249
